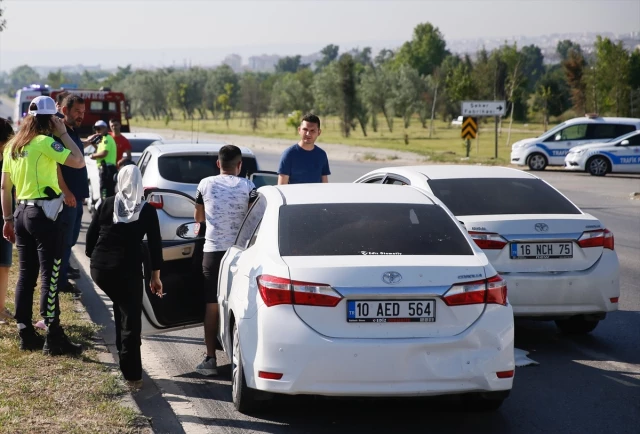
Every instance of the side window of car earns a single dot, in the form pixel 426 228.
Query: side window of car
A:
pixel 574 132
pixel 396 181
pixel 376 180
pixel 634 141
pixel 602 131
pixel 623 129
pixel 251 222
pixel 144 161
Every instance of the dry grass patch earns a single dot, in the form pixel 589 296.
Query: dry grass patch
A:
pixel 60 394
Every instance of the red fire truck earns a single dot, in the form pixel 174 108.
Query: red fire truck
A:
pixel 102 104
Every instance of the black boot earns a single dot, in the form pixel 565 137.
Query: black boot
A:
pixel 57 343
pixel 30 340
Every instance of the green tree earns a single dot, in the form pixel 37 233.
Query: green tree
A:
pixel 23 75
pixel 326 92
pixel 574 68
pixel 347 89
pixel 634 82
pixel 610 77
pixel 425 51
pixel 377 93
pixel 3 22
pixel 289 64
pixel 55 79
pixel 216 85
pixel 329 54
pixel 532 66
pixel 224 101
pixel 564 47
pixel 254 97
pixel 289 93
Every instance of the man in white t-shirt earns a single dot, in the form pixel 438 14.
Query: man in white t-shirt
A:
pixel 222 201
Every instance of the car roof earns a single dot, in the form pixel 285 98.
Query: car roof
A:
pixel 299 194
pixel 151 136
pixel 453 171
pixel 182 146
pixel 634 121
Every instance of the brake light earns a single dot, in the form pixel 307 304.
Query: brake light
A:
pixel 154 200
pixel 269 375
pixel 278 290
pixel 490 291
pixel 505 374
pixel 488 240
pixel 598 238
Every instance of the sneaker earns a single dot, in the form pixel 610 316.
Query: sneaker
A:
pixel 57 343
pixel 6 316
pixel 30 340
pixel 208 367
pixel 72 289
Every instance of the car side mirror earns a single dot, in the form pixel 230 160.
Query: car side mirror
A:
pixel 188 231
pixel 558 137
pixel 624 143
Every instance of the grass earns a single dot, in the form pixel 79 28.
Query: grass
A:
pixel 445 144
pixel 59 394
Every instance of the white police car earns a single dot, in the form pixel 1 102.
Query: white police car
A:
pixel 618 155
pixel 550 148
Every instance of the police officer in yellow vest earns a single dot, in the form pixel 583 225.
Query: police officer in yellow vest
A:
pixel 105 157
pixel 31 161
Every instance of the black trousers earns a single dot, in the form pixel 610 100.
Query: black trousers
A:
pixel 40 244
pixel 125 291
pixel 107 173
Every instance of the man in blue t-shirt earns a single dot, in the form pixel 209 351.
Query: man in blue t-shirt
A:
pixel 304 162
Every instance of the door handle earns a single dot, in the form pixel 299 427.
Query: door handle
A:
pixel 186 251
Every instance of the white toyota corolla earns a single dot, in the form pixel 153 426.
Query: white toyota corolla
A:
pixel 362 290
pixel 558 261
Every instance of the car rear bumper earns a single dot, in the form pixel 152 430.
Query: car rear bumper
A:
pixel 318 365
pixel 565 294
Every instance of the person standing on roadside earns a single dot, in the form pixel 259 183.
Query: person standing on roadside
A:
pixel 114 244
pixel 123 146
pixel 222 201
pixel 6 248
pixel 72 108
pixel 30 162
pixel 305 162
pixel 105 157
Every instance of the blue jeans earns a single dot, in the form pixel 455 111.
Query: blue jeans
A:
pixel 73 219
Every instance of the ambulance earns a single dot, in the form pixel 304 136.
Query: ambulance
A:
pixel 24 97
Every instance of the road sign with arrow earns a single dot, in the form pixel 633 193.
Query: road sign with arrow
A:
pixel 469 128
pixel 484 108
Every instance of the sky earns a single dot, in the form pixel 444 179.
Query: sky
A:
pixel 165 32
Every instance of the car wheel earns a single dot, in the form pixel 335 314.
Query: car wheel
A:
pixel 537 161
pixel 577 325
pixel 484 402
pixel 598 166
pixel 244 398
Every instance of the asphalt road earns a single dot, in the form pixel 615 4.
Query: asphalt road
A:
pixel 582 384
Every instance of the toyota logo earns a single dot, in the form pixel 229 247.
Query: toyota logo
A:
pixel 391 277
pixel 541 227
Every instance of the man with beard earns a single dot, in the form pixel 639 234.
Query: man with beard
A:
pixel 76 182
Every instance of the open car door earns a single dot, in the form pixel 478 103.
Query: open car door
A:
pixel 263 177
pixel 183 303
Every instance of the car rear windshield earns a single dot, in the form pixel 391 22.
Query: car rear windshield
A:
pixel 369 229
pixel 139 145
pixel 191 169
pixel 496 196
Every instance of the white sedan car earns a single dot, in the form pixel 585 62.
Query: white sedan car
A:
pixel 558 261
pixel 350 290
pixel 617 155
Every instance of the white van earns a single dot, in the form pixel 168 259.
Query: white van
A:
pixel 550 148
pixel 24 97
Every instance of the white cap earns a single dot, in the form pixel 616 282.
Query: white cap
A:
pixel 101 124
pixel 44 106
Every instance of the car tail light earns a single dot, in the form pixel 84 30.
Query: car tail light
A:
pixel 488 240
pixel 490 291
pixel 155 200
pixel 278 290
pixel 505 374
pixel 598 238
